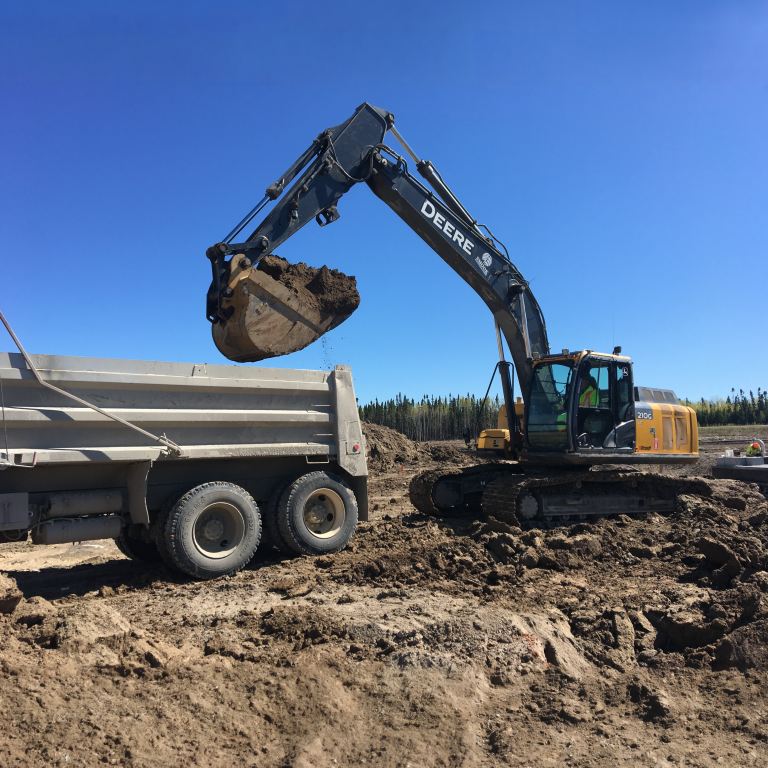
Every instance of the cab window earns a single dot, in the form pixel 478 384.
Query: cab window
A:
pixel 548 408
pixel 624 394
pixel 594 417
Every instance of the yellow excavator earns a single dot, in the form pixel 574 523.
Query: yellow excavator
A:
pixel 577 410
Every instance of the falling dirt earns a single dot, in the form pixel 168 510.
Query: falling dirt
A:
pixel 279 307
pixel 428 642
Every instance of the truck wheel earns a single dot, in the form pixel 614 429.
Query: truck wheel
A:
pixel 136 548
pixel 212 530
pixel 271 536
pixel 317 514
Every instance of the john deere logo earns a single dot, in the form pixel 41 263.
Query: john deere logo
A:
pixel 487 260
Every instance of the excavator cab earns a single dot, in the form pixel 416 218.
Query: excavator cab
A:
pixel 584 406
pixel 581 403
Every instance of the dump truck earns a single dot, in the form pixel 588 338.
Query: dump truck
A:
pixel 179 462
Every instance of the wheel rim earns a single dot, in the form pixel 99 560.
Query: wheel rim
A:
pixel 324 513
pixel 219 530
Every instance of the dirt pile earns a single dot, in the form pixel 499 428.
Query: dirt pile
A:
pixel 388 448
pixel 716 545
pixel 607 641
pixel 279 307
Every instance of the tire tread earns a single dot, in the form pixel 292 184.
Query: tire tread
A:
pixel 138 551
pixel 174 544
pixel 273 536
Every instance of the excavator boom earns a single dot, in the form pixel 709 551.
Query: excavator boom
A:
pixel 255 317
pixel 472 254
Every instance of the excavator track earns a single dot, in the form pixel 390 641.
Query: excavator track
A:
pixel 549 498
pixel 420 490
pixel 437 492
pixel 568 496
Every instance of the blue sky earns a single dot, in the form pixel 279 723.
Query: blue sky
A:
pixel 619 150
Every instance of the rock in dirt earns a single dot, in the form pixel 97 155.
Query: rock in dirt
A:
pixel 745 648
pixel 279 307
pixel 10 594
pixel 680 629
pixel 716 552
pixel 558 646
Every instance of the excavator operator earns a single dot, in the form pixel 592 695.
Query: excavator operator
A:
pixel 589 397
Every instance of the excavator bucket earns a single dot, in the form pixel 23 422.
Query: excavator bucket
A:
pixel 278 307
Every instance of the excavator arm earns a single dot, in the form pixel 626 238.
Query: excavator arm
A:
pixel 352 153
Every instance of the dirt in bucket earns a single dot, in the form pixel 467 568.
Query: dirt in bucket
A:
pixel 279 307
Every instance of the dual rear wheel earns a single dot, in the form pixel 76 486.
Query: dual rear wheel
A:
pixel 215 528
pixel 314 515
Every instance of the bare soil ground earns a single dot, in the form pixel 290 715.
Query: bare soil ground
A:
pixel 428 642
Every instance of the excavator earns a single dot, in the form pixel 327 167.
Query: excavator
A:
pixel 567 442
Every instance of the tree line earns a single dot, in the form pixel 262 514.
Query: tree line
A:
pixel 434 418
pixel 450 417
pixel 738 408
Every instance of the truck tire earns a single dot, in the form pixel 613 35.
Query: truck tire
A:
pixel 157 532
pixel 271 536
pixel 213 530
pixel 317 514
pixel 136 548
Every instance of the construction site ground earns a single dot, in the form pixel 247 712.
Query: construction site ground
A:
pixel 428 642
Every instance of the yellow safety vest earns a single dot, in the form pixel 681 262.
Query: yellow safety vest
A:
pixel 589 398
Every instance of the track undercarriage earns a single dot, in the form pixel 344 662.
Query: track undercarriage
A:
pixel 528 496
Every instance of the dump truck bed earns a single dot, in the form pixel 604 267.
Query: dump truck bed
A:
pixel 210 411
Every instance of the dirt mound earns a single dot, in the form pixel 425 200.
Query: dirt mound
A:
pixel 716 544
pixel 279 307
pixel 387 448
pixel 713 550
